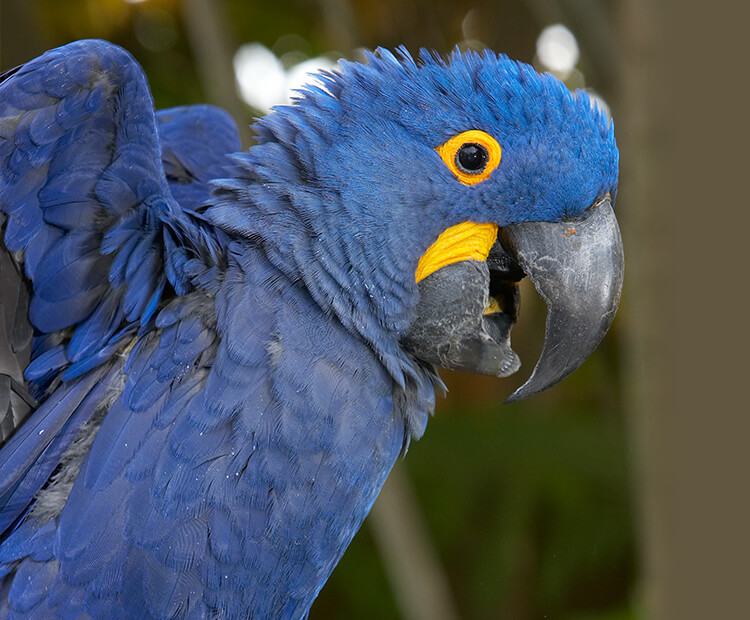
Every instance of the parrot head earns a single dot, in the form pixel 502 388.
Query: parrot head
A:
pixel 429 188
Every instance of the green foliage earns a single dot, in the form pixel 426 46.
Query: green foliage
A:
pixel 539 520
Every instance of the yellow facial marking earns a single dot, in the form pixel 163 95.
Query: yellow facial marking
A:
pixel 465 241
pixel 471 155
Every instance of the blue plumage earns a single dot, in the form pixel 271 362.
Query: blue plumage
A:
pixel 218 337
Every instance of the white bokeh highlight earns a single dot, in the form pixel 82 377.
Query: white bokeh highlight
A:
pixel 557 49
pixel 264 82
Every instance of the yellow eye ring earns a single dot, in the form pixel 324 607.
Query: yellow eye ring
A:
pixel 471 156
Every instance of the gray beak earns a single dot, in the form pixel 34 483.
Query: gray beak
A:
pixel 466 310
pixel 577 268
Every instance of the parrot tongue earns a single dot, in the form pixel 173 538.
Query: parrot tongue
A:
pixel 467 308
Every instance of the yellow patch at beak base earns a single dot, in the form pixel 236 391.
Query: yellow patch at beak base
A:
pixel 465 241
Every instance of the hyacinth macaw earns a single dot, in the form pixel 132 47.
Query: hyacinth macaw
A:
pixel 212 360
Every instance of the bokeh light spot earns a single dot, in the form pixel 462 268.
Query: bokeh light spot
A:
pixel 557 49
pixel 263 80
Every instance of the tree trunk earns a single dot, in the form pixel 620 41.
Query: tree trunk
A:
pixel 682 197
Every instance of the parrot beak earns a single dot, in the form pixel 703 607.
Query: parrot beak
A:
pixel 467 309
pixel 577 267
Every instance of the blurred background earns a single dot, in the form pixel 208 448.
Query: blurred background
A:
pixel 601 499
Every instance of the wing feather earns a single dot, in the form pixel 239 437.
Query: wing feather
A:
pixel 100 214
pixel 101 194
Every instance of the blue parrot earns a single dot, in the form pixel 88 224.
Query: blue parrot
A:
pixel 210 359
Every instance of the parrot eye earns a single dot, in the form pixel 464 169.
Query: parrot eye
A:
pixel 471 156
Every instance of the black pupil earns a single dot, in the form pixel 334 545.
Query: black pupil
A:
pixel 471 158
